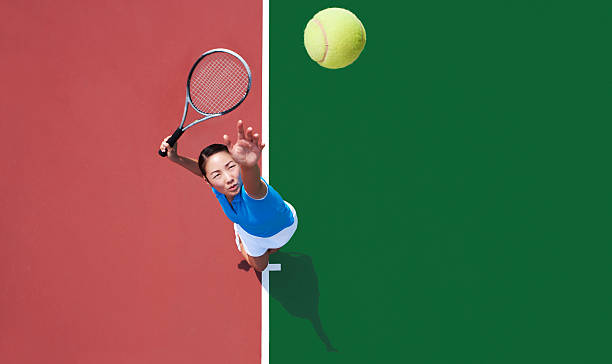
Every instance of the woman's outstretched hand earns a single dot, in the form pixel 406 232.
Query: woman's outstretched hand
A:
pixel 247 149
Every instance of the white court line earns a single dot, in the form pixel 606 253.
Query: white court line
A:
pixel 265 172
pixel 265 312
pixel 265 92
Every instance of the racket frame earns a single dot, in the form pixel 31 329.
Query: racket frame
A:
pixel 180 130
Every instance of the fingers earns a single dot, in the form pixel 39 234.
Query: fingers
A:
pixel 248 135
pixel 240 128
pixel 256 140
pixel 164 146
pixel 227 141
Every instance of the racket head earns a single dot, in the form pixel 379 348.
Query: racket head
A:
pixel 218 82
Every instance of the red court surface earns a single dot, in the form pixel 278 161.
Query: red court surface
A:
pixel 109 253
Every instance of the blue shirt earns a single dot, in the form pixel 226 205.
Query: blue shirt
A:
pixel 264 217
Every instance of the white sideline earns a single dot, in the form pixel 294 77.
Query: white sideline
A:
pixel 265 92
pixel 265 312
pixel 265 172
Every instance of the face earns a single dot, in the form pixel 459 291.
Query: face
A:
pixel 223 174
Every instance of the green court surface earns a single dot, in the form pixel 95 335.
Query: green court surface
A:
pixel 452 185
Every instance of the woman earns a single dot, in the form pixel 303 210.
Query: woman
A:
pixel 263 222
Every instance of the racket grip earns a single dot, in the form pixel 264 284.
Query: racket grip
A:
pixel 171 141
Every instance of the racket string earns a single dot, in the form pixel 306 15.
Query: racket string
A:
pixel 219 82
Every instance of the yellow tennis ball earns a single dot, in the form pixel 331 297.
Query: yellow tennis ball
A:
pixel 334 38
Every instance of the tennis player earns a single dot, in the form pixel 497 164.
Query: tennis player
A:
pixel 263 221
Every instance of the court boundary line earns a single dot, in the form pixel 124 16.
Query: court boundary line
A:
pixel 265 103
pixel 265 311
pixel 265 171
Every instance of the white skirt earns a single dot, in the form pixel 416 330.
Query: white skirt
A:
pixel 257 246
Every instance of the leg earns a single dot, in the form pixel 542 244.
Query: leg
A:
pixel 243 251
pixel 258 263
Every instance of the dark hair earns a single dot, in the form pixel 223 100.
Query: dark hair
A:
pixel 207 152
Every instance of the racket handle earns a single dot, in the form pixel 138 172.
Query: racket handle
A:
pixel 171 141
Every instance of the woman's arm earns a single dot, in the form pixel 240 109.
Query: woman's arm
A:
pixel 251 178
pixel 189 164
pixel 247 152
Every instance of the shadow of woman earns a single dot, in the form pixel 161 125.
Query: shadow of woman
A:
pixel 296 288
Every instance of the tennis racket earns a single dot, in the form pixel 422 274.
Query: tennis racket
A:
pixel 218 82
